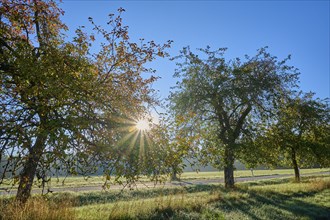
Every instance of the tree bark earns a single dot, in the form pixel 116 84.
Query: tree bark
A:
pixel 295 165
pixel 29 170
pixel 174 174
pixel 229 167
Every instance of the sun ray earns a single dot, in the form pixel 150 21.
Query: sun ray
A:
pixel 125 123
pixel 133 141
pixel 136 140
pixel 124 128
pixel 141 146
pixel 125 138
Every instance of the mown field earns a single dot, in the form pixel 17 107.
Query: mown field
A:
pixel 279 198
pixel 78 181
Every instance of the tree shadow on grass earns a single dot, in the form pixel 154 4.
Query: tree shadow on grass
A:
pixel 273 205
pixel 89 198
pixel 277 181
pixel 267 182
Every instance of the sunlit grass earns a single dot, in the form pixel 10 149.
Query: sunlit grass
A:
pixel 265 199
pixel 248 173
pixel 37 208
pixel 79 181
pixel 145 208
pixel 307 185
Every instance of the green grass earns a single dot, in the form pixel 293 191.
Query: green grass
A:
pixel 157 207
pixel 280 198
pixel 268 199
pixel 78 181
pixel 248 173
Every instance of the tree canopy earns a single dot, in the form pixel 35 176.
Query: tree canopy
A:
pixel 60 104
pixel 67 107
pixel 299 136
pixel 225 101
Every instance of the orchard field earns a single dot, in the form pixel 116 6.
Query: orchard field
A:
pixel 274 198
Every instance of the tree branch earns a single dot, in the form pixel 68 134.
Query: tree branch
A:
pixel 240 122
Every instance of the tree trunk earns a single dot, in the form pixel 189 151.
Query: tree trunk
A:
pixel 295 165
pixel 29 170
pixel 229 168
pixel 174 176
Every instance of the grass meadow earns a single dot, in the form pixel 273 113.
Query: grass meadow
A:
pixel 78 181
pixel 279 198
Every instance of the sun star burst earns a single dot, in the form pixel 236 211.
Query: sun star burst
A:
pixel 142 125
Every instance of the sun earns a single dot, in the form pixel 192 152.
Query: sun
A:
pixel 142 125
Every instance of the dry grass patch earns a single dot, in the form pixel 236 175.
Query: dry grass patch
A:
pixel 36 208
pixel 319 184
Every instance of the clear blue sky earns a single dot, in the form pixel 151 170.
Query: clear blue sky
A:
pixel 299 28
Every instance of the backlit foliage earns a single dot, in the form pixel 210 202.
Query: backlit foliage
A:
pixel 62 107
